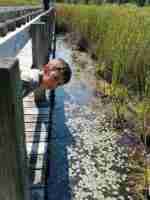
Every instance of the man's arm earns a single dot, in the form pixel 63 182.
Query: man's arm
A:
pixel 30 80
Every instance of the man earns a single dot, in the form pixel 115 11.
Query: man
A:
pixel 46 4
pixel 57 72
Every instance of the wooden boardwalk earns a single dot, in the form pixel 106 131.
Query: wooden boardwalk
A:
pixel 18 33
pixel 36 120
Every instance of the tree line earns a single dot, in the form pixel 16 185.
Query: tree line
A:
pixel 140 3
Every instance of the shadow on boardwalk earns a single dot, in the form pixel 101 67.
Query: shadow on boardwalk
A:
pixel 59 187
pixel 58 171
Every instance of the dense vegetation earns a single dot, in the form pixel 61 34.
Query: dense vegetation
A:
pixel 99 2
pixel 18 2
pixel 118 37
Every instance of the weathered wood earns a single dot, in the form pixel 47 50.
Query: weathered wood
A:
pixel 49 23
pixel 36 162
pixel 29 104
pixel 37 187
pixel 36 111
pixel 37 193
pixel 36 148
pixel 40 51
pixel 15 21
pixel 20 21
pixel 35 118
pixel 36 127
pixel 34 137
pixel 37 178
pixel 11 24
pixel 6 15
pixel 13 169
pixel 36 115
pixel 34 14
pixel 3 29
pixel 8 45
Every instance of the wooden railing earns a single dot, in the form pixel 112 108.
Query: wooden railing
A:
pixel 13 158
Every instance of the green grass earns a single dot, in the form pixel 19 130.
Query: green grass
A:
pixel 119 36
pixel 18 2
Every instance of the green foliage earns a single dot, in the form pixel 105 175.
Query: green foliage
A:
pixel 19 2
pixel 118 36
pixel 143 113
pixel 119 99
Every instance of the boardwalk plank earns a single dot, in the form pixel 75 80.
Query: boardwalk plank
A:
pixel 30 104
pixel 34 137
pixel 37 162
pixel 36 118
pixel 34 127
pixel 36 148
pixel 36 111
pixel 37 193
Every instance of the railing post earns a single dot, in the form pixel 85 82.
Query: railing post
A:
pixel 49 23
pixel 13 170
pixel 40 51
pixel 40 54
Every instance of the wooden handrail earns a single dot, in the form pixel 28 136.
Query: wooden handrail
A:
pixel 14 184
pixel 13 170
pixel 8 45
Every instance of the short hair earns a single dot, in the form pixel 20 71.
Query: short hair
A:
pixel 65 70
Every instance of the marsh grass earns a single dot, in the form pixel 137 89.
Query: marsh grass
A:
pixel 18 2
pixel 118 36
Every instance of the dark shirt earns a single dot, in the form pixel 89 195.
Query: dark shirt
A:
pixel 46 4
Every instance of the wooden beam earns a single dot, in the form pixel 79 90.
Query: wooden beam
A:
pixel 40 52
pixel 13 169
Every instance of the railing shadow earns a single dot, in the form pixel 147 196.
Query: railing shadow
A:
pixel 61 139
pixel 38 149
pixel 57 169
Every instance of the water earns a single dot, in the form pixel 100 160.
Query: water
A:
pixel 87 160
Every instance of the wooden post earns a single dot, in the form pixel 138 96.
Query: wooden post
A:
pixel 11 24
pixel 50 20
pixel 3 29
pixel 13 170
pixel 40 52
pixel 49 23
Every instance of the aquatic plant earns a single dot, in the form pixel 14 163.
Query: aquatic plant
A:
pixel 143 113
pixel 119 96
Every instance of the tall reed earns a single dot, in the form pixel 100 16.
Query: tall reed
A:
pixel 118 36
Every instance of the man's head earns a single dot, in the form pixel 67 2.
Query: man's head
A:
pixel 57 72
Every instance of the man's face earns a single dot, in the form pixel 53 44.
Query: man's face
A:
pixel 51 76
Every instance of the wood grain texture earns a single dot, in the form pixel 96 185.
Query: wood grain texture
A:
pixel 13 171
